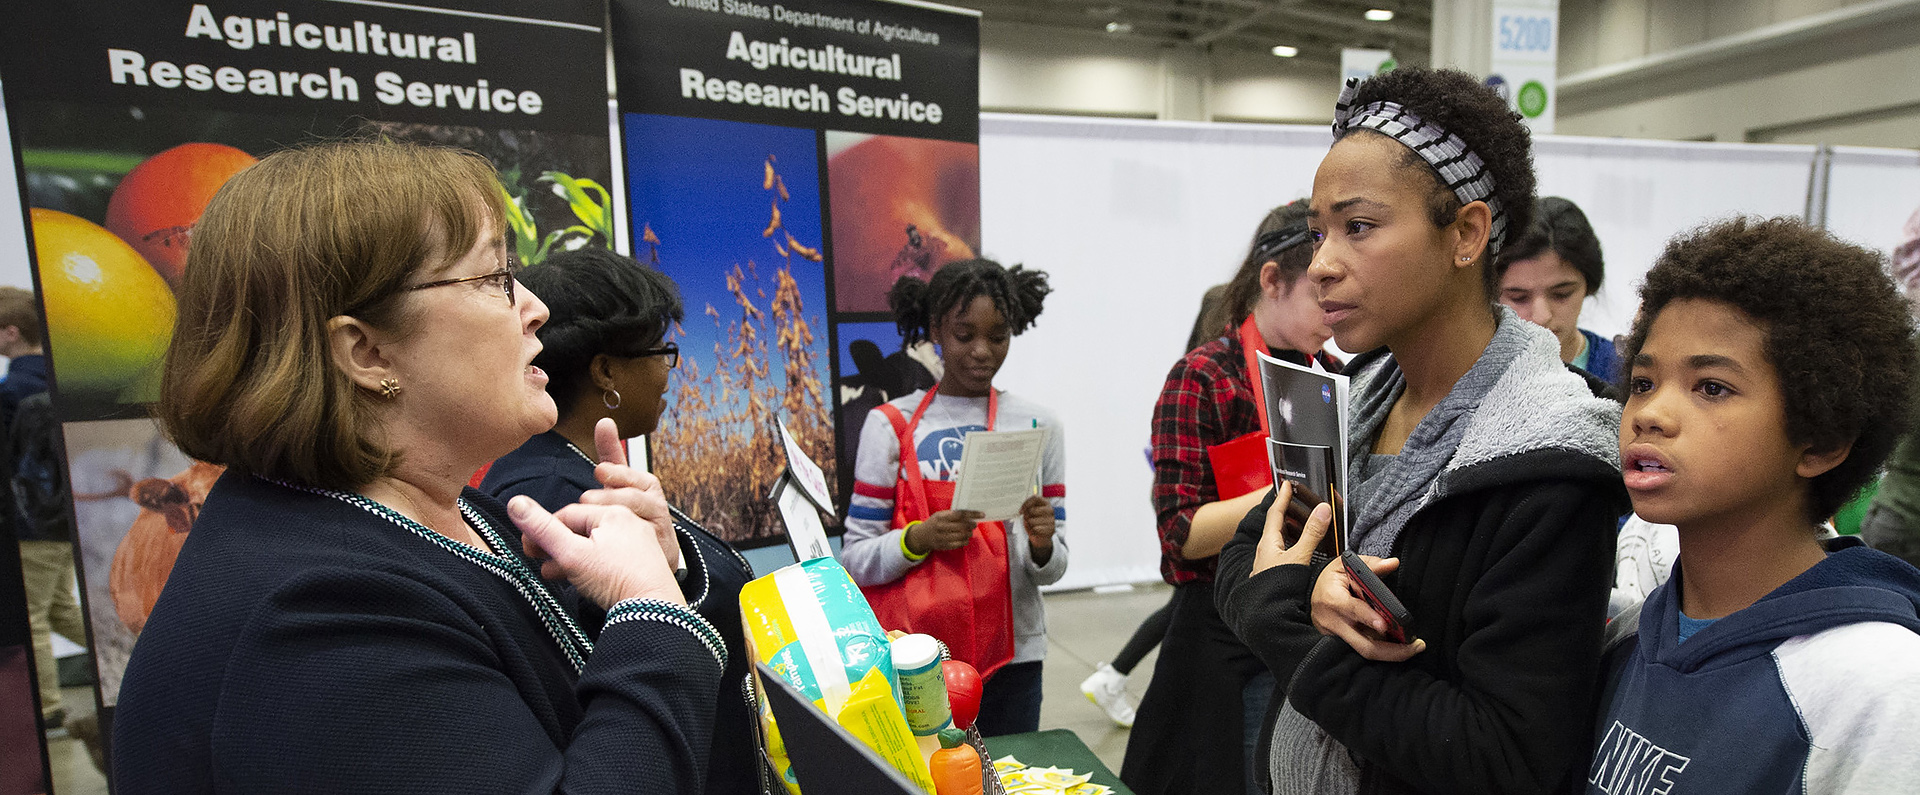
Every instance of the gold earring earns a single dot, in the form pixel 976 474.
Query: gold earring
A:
pixel 610 398
pixel 389 388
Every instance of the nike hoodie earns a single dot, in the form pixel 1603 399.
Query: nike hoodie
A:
pixel 1813 689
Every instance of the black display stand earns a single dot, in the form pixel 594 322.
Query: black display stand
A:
pixel 827 760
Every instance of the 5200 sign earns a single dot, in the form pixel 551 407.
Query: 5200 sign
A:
pixel 1526 34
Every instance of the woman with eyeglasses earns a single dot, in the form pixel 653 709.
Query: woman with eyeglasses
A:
pixel 345 615
pixel 607 359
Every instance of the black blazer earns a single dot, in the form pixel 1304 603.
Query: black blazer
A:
pixel 304 644
pixel 549 470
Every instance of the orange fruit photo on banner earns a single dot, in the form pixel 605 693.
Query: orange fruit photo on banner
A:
pixel 158 202
pixel 120 190
pixel 146 553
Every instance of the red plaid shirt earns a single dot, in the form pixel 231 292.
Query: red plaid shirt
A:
pixel 1206 401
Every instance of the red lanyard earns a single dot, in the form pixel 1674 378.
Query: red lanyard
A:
pixel 993 407
pixel 1250 343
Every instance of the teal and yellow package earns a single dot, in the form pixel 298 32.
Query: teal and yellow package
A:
pixel 809 623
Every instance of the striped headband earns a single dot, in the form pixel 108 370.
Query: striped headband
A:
pixel 1459 168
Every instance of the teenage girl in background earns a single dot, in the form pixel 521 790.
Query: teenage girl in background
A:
pixel 1546 276
pixel 1191 729
pixel 925 567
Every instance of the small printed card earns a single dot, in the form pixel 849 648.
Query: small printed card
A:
pixel 801 496
pixel 999 470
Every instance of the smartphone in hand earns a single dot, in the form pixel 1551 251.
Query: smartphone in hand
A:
pixel 1399 621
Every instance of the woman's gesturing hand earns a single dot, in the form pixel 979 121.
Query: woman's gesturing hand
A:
pixel 628 487
pixel 607 552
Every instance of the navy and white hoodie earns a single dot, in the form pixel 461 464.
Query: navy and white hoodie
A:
pixel 1813 689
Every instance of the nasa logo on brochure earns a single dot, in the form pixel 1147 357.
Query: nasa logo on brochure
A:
pixel 1326 393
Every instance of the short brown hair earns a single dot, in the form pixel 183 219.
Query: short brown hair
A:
pixel 1560 227
pixel 19 310
pixel 305 235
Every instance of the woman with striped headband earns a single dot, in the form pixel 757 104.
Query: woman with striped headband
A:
pixel 1483 480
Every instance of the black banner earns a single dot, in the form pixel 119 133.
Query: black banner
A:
pixel 524 65
pixel 852 65
pixel 787 163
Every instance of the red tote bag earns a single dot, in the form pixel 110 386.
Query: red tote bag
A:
pixel 1241 466
pixel 960 595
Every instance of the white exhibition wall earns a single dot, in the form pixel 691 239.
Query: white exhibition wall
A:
pixel 1871 193
pixel 1638 194
pixel 14 270
pixel 1135 219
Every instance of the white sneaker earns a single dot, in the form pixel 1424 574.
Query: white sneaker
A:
pixel 1107 689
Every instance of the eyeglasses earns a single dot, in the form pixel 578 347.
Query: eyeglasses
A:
pixel 506 277
pixel 669 350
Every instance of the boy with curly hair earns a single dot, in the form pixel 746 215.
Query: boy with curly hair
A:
pixel 1769 373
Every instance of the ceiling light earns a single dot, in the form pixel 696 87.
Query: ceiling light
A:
pixel 1119 27
pixel 1285 51
pixel 1379 15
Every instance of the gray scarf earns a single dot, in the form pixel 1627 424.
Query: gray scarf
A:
pixel 1383 502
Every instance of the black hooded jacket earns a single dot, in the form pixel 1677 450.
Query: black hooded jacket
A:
pixel 1504 566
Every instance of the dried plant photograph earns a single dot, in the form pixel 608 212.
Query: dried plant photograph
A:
pixel 731 212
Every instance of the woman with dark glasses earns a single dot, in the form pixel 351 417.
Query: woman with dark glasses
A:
pixel 607 360
pixel 606 357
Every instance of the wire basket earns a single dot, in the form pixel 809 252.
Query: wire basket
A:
pixel 990 778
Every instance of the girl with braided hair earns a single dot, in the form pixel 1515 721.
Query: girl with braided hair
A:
pixel 925 567
pixel 1483 481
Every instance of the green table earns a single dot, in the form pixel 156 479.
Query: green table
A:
pixel 1055 748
